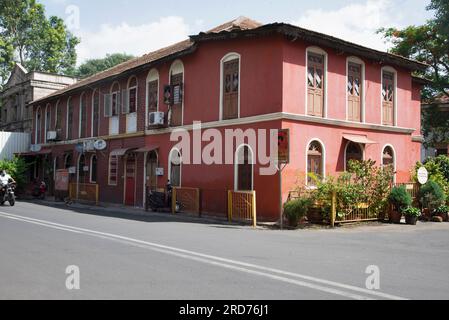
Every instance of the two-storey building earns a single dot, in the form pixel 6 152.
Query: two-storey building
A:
pixel 340 101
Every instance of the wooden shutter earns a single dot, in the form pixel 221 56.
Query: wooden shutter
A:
pixel 177 92
pixel 107 105
pixel 231 84
pixel 315 84
pixel 354 91
pixel 388 98
pixel 153 95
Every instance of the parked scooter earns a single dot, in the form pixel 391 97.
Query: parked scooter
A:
pixel 40 190
pixel 162 201
pixel 8 193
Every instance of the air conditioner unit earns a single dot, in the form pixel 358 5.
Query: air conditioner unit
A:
pixel 52 136
pixel 156 119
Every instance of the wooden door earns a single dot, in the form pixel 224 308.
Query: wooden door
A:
pixel 231 83
pixel 176 108
pixel 354 91
pixel 130 180
pixel 151 178
pixel 388 98
pixel 315 84
pixel 245 172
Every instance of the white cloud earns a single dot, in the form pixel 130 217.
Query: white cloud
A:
pixel 131 39
pixel 355 22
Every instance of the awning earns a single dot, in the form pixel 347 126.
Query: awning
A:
pixel 120 152
pixel 42 152
pixel 358 139
pixel 148 148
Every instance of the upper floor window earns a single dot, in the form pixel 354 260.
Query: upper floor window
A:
pixel 315 162
pixel 58 117
pixel 316 76
pixel 38 127
pixel 388 97
pixel 47 120
pixel 355 91
pixel 83 116
pixel 153 90
pixel 69 118
pixel 177 87
pixel 111 108
pixel 95 113
pixel 230 86
pixel 130 97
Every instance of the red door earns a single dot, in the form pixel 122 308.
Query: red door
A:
pixel 130 180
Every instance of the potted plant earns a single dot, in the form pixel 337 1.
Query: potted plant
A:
pixel 443 212
pixel 411 215
pixel 399 199
pixel 431 196
pixel 295 210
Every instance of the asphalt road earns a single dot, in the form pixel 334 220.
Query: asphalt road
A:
pixel 163 257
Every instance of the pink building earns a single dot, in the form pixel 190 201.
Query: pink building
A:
pixel 340 101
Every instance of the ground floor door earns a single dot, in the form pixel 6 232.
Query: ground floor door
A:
pixel 130 180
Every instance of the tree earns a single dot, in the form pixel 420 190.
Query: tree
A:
pixel 428 43
pixel 93 66
pixel 38 43
pixel 6 60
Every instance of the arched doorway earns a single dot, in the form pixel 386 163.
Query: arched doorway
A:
pixel 151 177
pixel 130 179
pixel 354 151
pixel 244 169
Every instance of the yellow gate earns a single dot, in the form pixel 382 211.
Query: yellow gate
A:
pixel 84 191
pixel 188 199
pixel 242 206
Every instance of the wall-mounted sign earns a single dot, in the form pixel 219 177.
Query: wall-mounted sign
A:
pixel 100 145
pixel 72 170
pixel 86 168
pixel 159 172
pixel 62 180
pixel 423 175
pixel 283 146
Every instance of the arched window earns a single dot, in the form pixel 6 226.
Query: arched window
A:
pixel 130 105
pixel 315 162
pixel 38 128
pixel 389 82
pixel 95 113
pixel 174 166
pixel 93 169
pixel 68 161
pixel 81 165
pixel 230 86
pixel 244 169
pixel 132 95
pixel 153 91
pixel 316 60
pixel 177 94
pixel 355 89
pixel 388 157
pixel 354 151
pixel 69 118
pixel 47 121
pixel 83 116
pixel 58 118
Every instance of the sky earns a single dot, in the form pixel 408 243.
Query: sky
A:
pixel 140 26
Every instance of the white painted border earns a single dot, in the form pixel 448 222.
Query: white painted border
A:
pixel 236 163
pixel 56 114
pixel 94 92
pixel 119 107
pixel 320 51
pixel 344 154
pixel 169 165
pixel 395 102
pixel 394 159
pixel 109 171
pixel 47 110
pixel 36 126
pixel 177 67
pixel 228 57
pixel 137 102
pixel 359 61
pixel 153 75
pixel 323 157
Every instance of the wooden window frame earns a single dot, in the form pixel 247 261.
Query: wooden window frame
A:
pixel 323 159
pixel 110 175
pixel 393 71
pixel 317 51
pixel 356 60
pixel 227 58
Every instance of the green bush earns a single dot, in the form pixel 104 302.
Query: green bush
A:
pixel 438 169
pixel 442 209
pixel 16 168
pixel 296 209
pixel 431 195
pixel 412 212
pixel 400 198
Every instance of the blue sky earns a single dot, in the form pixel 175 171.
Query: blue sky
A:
pixel 140 26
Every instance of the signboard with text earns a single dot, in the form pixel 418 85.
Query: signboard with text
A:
pixel 283 146
pixel 62 180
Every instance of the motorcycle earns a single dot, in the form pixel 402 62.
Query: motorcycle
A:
pixel 8 194
pixel 40 190
pixel 161 200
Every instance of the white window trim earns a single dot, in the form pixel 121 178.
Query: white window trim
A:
pixel 67 119
pixel 395 101
pixel 180 165
pixel 323 157
pixel 153 75
pixel 37 124
pixel 362 147
pixel 394 159
pixel 109 171
pixel 229 57
pixel 359 61
pixel 45 121
pixel 80 113
pixel 118 108
pixel 317 50
pixel 137 101
pixel 90 168
pixel 236 167
pixel 96 91
pixel 177 67
pixel 56 115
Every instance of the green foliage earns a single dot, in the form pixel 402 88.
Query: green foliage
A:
pixel 412 212
pixel 400 198
pixel 364 183
pixel 297 208
pixel 431 195
pixel 435 126
pixel 442 209
pixel 438 169
pixel 38 42
pixel 427 43
pixel 93 66
pixel 16 168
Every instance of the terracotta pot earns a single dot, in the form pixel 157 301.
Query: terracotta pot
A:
pixel 411 220
pixel 395 217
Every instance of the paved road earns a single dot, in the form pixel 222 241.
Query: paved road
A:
pixel 161 257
